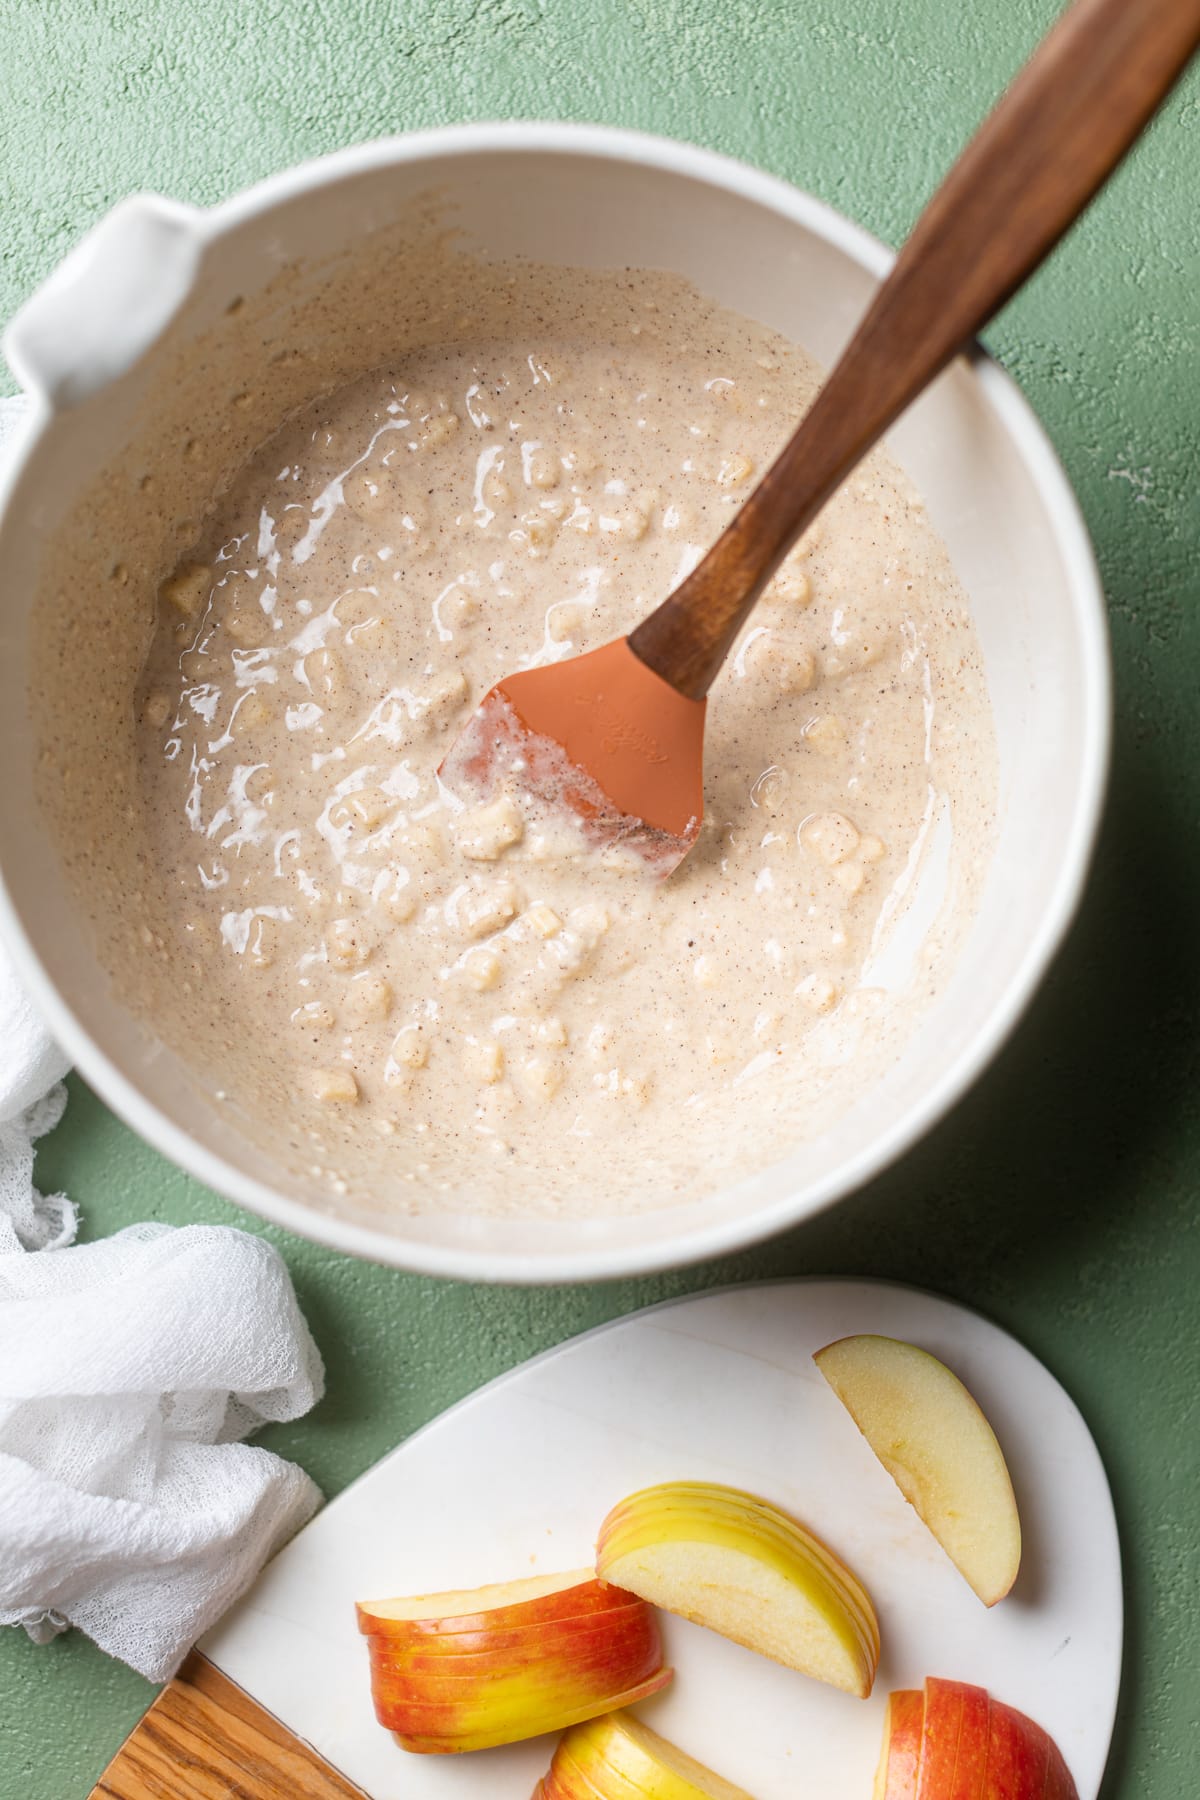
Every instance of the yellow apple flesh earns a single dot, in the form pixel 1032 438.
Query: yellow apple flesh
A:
pixel 467 1671
pixel 939 1449
pixel 618 1758
pixel 740 1566
pixel 695 1497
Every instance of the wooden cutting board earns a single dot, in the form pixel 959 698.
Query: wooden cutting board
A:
pixel 517 1478
pixel 205 1737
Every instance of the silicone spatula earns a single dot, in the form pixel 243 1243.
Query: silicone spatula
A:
pixel 614 738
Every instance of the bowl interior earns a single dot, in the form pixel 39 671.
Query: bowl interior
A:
pixel 993 491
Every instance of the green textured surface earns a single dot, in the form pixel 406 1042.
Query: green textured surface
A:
pixel 1061 1197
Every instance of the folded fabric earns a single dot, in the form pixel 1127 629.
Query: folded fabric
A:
pixel 129 1370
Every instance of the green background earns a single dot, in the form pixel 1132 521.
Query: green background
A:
pixel 1061 1196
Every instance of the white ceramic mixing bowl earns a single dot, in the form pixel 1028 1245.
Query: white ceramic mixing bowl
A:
pixel 88 348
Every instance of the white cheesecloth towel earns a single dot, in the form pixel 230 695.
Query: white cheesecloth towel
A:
pixel 130 1369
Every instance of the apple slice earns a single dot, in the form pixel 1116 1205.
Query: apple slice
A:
pixel 618 1758
pixel 954 1742
pixel 695 1497
pixel 900 1757
pixel 1023 1761
pixel 743 1568
pixel 561 1596
pixel 452 1656
pixel 462 1725
pixel 935 1443
pixel 470 1670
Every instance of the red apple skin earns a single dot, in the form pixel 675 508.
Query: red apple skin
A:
pixel 969 1781
pixel 553 1666
pixel 905 1727
pixel 584 1597
pixel 478 1642
pixel 1060 1784
pixel 554 1693
pixel 954 1742
pixel 536 1675
pixel 1018 1755
pixel 442 1732
pixel 574 1785
pixel 1024 1762
pixel 599 1638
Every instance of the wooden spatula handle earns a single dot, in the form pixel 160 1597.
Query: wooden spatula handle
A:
pixel 1030 170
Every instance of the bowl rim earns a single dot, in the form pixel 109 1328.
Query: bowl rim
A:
pixel 584 1264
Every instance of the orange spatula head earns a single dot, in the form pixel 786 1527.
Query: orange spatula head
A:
pixel 600 739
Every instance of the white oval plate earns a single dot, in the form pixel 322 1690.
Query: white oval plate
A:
pixel 721 1387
